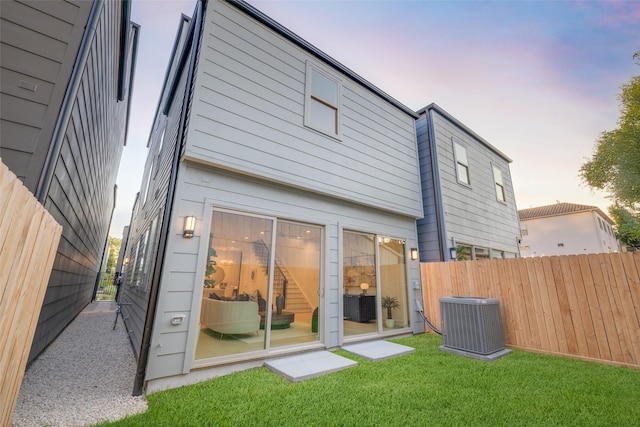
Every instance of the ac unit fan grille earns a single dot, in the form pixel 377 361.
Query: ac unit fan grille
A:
pixel 472 324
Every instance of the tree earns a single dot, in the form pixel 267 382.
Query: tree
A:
pixel 615 163
pixel 627 225
pixel 114 251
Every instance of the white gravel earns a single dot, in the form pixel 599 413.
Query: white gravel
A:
pixel 85 376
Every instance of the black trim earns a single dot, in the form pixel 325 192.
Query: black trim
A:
pixel 437 188
pixel 184 56
pixel 443 113
pixel 298 41
pixel 132 72
pixel 125 22
pixel 42 189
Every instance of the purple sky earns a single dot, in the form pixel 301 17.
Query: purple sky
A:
pixel 537 79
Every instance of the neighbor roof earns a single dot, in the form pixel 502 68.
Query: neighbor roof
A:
pixel 559 209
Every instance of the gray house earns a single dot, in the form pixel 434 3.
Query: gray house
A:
pixel 469 204
pixel 278 205
pixel 67 68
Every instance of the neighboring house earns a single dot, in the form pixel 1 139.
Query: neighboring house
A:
pixel 67 68
pixel 469 205
pixel 566 229
pixel 278 205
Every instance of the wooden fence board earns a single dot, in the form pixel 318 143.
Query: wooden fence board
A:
pixel 574 306
pixel 532 291
pixel 28 242
pixel 632 272
pixel 569 340
pixel 619 320
pixel 585 306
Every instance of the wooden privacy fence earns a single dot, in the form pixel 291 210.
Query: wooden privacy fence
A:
pixel 29 239
pixel 585 306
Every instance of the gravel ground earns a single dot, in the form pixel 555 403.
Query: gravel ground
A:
pixel 85 376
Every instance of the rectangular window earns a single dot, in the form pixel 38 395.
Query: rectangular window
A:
pixel 497 177
pixel 322 106
pixel 524 230
pixel 462 164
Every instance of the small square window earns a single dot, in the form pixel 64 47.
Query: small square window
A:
pixel 462 164
pixel 322 105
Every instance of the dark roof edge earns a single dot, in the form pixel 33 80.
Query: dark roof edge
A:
pixel 436 107
pixel 174 50
pixel 298 41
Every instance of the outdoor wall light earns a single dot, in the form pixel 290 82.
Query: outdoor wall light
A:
pixel 414 254
pixel 452 253
pixel 364 287
pixel 189 227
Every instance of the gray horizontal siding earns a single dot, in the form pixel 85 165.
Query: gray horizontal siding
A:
pixel 157 169
pixel 199 183
pixel 473 214
pixel 81 193
pixel 428 236
pixel 248 117
pixel 39 42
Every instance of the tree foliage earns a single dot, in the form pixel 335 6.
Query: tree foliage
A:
pixel 114 251
pixel 627 225
pixel 615 164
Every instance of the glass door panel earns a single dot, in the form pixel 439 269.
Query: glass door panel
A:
pixel 296 283
pixel 235 286
pixel 393 283
pixel 359 283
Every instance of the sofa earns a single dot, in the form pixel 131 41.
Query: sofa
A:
pixel 230 317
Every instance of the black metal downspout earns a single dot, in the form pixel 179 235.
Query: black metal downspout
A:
pixel 42 189
pixel 435 171
pixel 138 387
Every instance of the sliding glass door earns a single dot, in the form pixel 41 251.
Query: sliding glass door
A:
pixel 260 288
pixel 374 284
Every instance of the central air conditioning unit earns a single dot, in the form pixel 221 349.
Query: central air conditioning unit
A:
pixel 472 327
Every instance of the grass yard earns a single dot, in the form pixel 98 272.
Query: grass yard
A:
pixel 428 387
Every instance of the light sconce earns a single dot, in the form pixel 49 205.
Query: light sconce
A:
pixel 453 254
pixel 414 254
pixel 189 227
pixel 364 287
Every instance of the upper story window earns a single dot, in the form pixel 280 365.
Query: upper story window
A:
pixel 322 106
pixel 524 230
pixel 462 164
pixel 497 178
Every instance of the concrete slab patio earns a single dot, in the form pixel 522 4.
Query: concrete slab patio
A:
pixel 378 350
pixel 304 366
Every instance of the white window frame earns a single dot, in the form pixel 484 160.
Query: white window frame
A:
pixel 461 163
pixel 501 194
pixel 310 98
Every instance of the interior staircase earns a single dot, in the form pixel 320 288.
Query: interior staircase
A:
pixel 283 281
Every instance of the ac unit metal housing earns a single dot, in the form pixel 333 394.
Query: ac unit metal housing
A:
pixel 472 327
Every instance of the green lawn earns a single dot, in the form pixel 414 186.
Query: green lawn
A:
pixel 428 387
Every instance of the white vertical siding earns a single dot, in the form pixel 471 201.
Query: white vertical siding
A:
pixel 248 115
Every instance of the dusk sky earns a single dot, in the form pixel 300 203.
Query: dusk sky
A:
pixel 539 80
